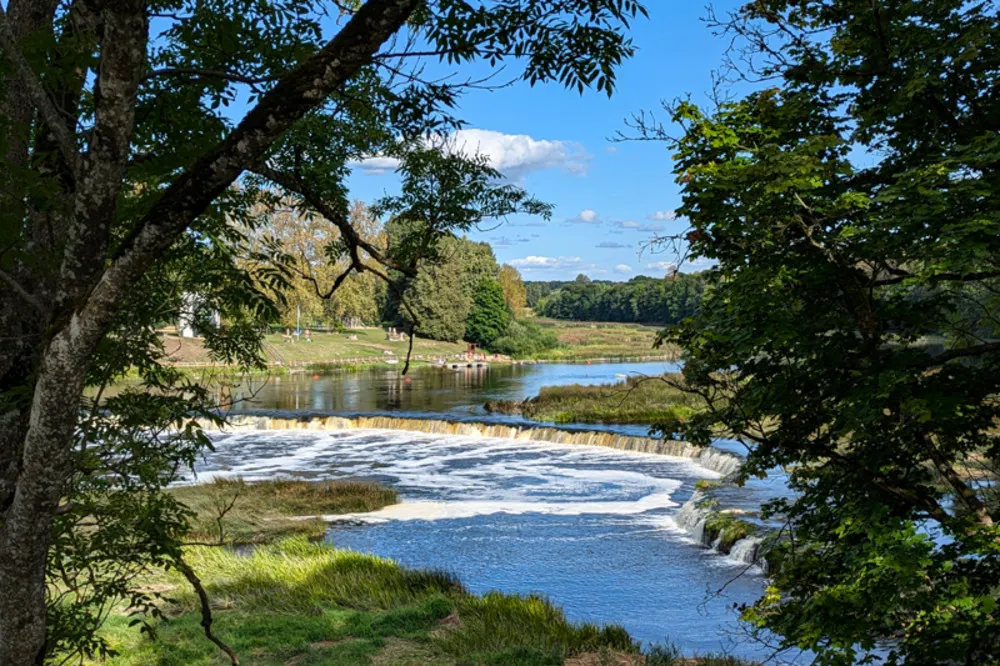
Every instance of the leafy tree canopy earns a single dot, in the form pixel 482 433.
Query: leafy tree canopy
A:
pixel 128 183
pixel 489 316
pixel 853 206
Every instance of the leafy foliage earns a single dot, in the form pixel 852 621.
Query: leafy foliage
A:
pixel 439 299
pixel 489 316
pixel 852 210
pixel 131 195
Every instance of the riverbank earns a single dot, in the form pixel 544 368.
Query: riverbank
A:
pixel 370 347
pixel 636 400
pixel 298 602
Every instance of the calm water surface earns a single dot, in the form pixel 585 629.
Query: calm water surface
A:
pixel 429 390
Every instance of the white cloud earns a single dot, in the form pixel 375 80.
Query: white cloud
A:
pixel 513 154
pixel 611 245
pixel 624 269
pixel 378 165
pixel 662 216
pixel 612 149
pixel 536 263
pixel 632 225
pixel 665 266
pixel 586 216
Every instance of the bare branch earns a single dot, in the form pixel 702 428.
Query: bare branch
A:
pixel 206 609
pixel 22 292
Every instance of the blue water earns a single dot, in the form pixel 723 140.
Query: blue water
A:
pixel 427 390
pixel 590 527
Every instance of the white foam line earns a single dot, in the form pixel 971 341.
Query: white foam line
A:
pixel 435 510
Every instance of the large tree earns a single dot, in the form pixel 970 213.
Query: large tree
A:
pixel 123 137
pixel 489 315
pixel 853 206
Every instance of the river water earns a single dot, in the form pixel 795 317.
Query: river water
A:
pixel 590 527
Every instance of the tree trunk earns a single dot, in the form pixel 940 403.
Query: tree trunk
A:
pixel 36 453
pixel 45 462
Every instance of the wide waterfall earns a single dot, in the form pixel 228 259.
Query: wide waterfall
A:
pixel 713 459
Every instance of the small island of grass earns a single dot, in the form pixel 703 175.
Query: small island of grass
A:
pixel 255 513
pixel 637 400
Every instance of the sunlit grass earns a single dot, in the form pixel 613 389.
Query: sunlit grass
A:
pixel 264 511
pixel 319 605
pixel 636 400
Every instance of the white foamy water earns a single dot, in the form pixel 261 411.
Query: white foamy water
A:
pixel 447 477
pixel 592 527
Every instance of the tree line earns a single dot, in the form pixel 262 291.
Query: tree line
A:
pixel 642 300
pixel 458 291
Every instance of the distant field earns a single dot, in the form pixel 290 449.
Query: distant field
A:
pixel 578 341
pixel 583 340
pixel 338 348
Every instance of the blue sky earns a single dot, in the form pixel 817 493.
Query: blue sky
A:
pixel 609 197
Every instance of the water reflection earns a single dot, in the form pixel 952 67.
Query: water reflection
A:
pixel 425 390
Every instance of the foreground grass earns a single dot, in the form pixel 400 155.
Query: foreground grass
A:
pixel 254 513
pixel 636 400
pixel 297 602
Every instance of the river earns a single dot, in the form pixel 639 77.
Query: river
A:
pixel 591 527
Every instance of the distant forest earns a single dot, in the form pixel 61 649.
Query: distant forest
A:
pixel 642 300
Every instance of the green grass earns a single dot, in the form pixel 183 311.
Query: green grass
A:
pixel 728 529
pixel 307 603
pixel 581 341
pixel 577 341
pixel 325 349
pixel 637 400
pixel 340 348
pixel 298 602
pixel 254 513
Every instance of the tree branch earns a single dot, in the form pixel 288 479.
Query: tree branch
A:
pixel 208 74
pixel 22 292
pixel 304 89
pixel 206 608
pixel 351 237
pixel 62 134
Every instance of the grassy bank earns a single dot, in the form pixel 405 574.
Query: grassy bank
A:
pixel 308 603
pixel 577 341
pixel 360 346
pixel 581 340
pixel 301 603
pixel 636 400
pixel 253 513
pixel 297 602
